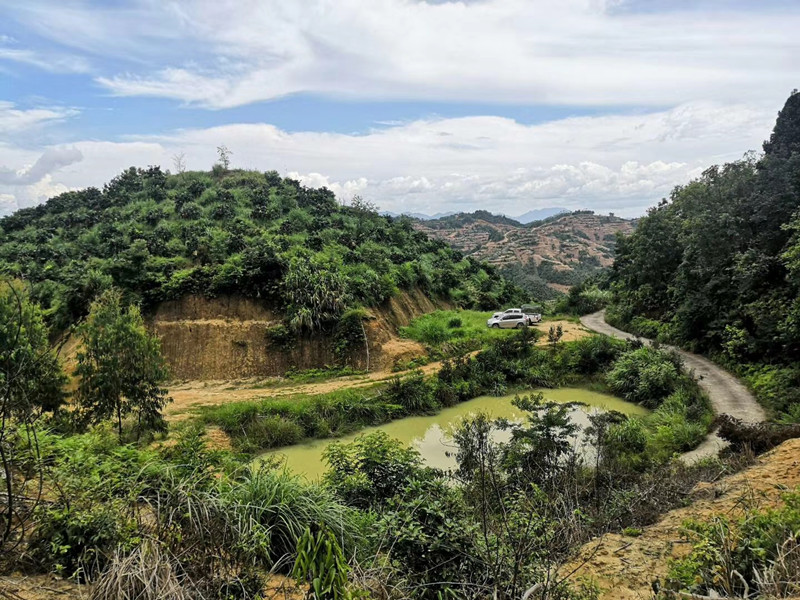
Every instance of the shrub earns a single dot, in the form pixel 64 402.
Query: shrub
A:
pixel 369 471
pixel 593 354
pixel 412 392
pixel 284 506
pixel 758 554
pixel 645 376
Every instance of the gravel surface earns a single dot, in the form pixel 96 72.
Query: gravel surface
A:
pixel 728 395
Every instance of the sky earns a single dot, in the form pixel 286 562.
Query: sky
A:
pixel 416 106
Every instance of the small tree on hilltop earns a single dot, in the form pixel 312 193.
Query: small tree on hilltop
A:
pixel 120 366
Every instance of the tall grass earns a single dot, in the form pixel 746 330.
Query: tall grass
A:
pixel 283 506
pixel 275 422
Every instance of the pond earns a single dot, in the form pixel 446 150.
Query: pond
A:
pixel 430 434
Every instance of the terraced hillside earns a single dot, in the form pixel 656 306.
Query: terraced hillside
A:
pixel 545 257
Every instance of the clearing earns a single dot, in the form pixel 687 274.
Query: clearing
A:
pixel 190 395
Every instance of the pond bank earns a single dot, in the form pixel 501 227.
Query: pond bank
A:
pixel 429 434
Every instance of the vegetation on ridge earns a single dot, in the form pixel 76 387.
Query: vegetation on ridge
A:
pixel 716 267
pixel 159 237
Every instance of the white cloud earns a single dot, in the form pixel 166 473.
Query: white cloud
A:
pixel 51 160
pixel 620 163
pixel 55 63
pixel 14 120
pixel 223 53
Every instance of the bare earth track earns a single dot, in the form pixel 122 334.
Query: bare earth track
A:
pixel 728 395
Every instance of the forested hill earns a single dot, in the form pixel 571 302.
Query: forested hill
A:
pixel 544 257
pixel 160 236
pixel 717 266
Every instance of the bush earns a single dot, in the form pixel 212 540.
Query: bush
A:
pixel 455 323
pixel 370 470
pixel 413 393
pixel 645 376
pixel 776 387
pixel 284 506
pixel 593 354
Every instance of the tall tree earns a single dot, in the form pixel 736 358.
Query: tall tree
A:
pixel 120 366
pixel 31 382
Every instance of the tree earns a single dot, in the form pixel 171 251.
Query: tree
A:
pixel 554 336
pixel 120 366
pixel 224 157
pixel 31 382
pixel 179 162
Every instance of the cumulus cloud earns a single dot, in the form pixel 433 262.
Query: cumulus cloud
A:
pixel 51 160
pixel 622 163
pixel 223 53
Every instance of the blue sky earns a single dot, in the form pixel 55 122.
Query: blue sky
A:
pixel 506 105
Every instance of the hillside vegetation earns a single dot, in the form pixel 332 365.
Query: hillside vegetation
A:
pixel 159 237
pixel 543 257
pixel 716 268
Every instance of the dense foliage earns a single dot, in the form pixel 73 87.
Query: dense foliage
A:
pixel 717 267
pixel 179 521
pixel 159 236
pixel 31 383
pixel 654 378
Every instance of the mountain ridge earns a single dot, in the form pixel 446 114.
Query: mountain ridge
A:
pixel 544 257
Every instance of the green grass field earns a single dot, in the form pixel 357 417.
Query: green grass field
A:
pixel 455 328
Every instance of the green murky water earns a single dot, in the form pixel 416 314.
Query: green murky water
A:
pixel 430 434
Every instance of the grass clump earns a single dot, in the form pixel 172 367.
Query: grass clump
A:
pixel 756 555
pixel 451 330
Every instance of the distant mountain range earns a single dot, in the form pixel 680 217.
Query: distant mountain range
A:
pixel 417 215
pixel 536 214
pixel 545 256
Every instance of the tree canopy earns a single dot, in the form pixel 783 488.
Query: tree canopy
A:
pixel 717 266
pixel 120 366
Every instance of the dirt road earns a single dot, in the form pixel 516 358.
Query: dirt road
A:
pixel 728 395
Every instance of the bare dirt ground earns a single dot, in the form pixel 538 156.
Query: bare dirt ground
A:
pixel 37 587
pixel 626 567
pixel 728 395
pixel 190 395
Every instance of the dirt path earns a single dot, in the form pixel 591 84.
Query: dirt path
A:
pixel 728 395
pixel 193 394
pixel 625 567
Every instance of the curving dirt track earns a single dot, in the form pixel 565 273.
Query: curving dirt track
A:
pixel 728 395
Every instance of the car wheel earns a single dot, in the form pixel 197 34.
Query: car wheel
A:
pixel 495 326
pixel 520 325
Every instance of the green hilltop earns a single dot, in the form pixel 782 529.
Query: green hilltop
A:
pixel 159 236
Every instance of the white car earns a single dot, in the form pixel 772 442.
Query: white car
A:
pixel 508 311
pixel 515 320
